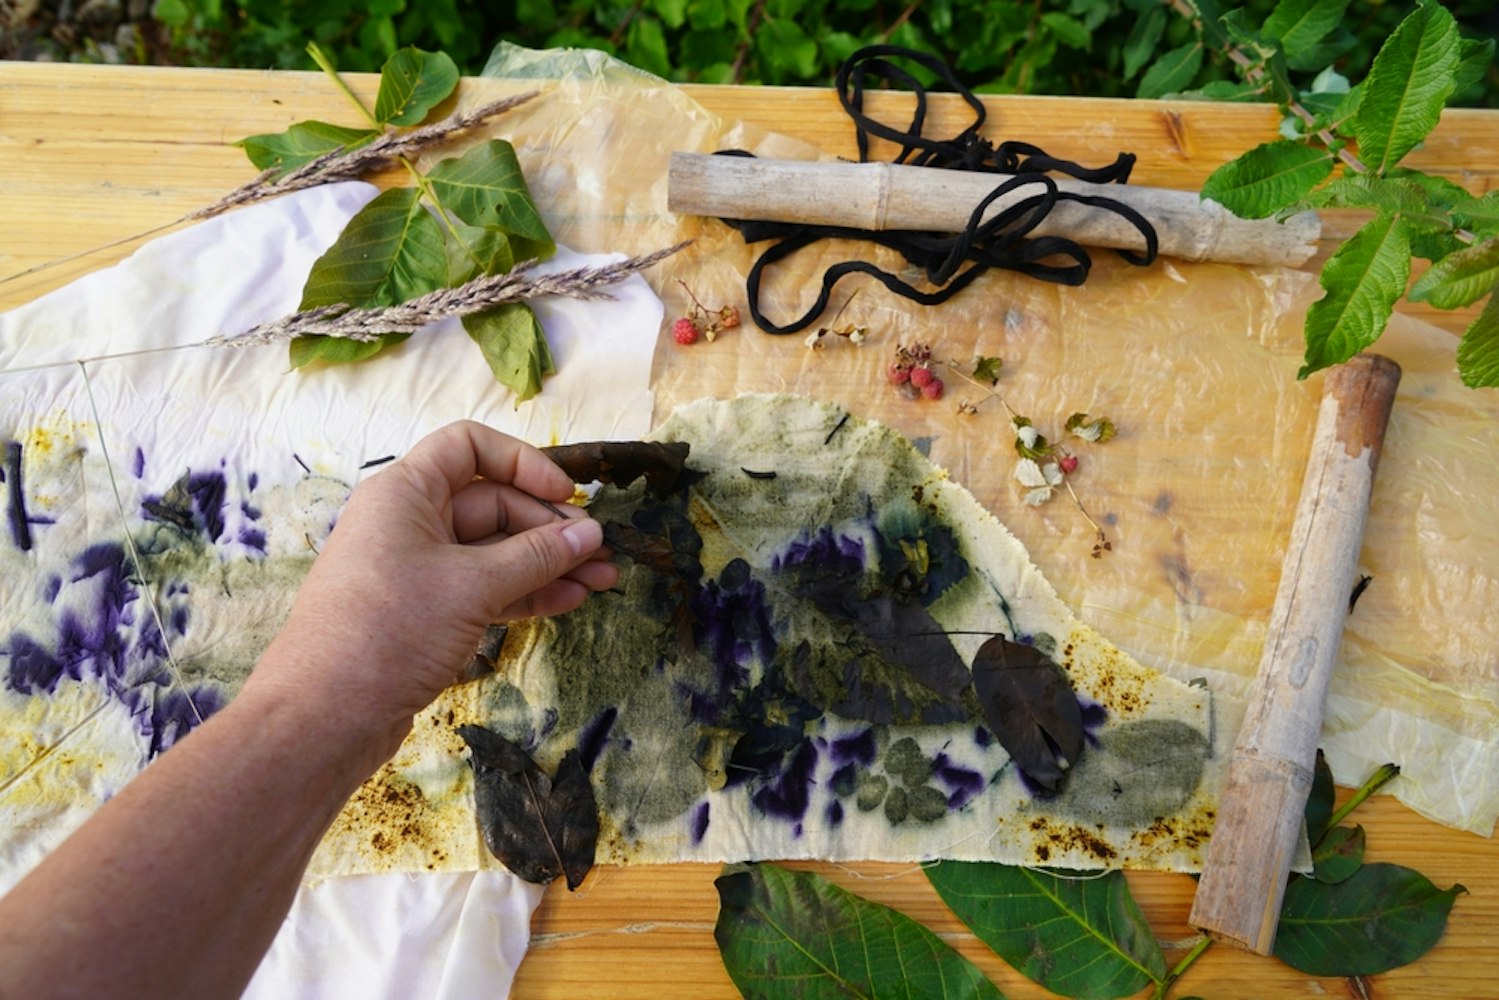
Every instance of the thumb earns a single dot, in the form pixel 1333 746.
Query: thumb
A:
pixel 526 562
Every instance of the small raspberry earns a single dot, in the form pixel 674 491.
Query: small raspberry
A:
pixel 685 330
pixel 933 388
pixel 1068 463
pixel 922 376
pixel 898 375
pixel 728 317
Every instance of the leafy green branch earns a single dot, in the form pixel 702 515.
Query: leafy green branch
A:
pixel 470 216
pixel 1081 935
pixel 1343 146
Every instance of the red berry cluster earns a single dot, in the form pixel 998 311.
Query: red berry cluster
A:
pixel 702 321
pixel 911 372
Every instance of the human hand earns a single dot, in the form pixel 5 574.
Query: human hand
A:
pixel 424 557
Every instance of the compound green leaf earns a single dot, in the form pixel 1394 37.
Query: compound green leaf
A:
pixel 475 251
pixel 412 83
pixel 1172 72
pixel 390 251
pixel 1382 917
pixel 514 345
pixel 794 934
pixel 1300 24
pixel 1080 937
pixel 1268 178
pixel 1363 278
pixel 485 187
pixel 1478 352
pixel 302 143
pixel 1460 278
pixel 1412 76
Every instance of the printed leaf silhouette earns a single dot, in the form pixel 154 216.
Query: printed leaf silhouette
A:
pixel 889 660
pixel 1382 917
pixel 1029 703
pixel 1080 937
pixel 783 933
pixel 540 827
pixel 620 463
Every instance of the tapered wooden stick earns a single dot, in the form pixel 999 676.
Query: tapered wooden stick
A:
pixel 881 196
pixel 1270 774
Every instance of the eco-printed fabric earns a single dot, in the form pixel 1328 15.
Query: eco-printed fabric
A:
pixel 163 501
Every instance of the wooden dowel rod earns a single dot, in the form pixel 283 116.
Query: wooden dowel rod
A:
pixel 881 196
pixel 1260 812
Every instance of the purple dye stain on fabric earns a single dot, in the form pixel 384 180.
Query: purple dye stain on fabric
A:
pixel 53 587
pixel 138 463
pixel 103 637
pixel 788 796
pixel 962 783
pixel 253 538
pixel 595 735
pixel 857 749
pixel 1094 716
pixel 699 823
pixel 982 738
pixel 32 669
pixel 253 480
pixel 15 507
pixel 835 813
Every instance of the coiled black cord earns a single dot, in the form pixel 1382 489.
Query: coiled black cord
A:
pixel 1002 242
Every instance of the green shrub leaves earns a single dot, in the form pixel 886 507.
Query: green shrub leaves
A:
pixel 1369 128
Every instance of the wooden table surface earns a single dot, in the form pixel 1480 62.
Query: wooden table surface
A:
pixel 89 155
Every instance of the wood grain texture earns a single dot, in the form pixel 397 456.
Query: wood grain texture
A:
pixel 91 154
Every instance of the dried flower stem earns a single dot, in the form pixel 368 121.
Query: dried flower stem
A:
pixel 475 296
pixel 337 165
pixel 340 165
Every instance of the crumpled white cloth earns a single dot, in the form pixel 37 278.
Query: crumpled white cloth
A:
pixel 453 934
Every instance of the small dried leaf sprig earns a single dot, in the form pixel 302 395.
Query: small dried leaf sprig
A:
pixel 702 321
pixel 475 296
pixel 855 335
pixel 1042 467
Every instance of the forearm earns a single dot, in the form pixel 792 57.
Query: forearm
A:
pixel 177 885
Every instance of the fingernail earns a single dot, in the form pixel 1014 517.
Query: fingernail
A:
pixel 583 535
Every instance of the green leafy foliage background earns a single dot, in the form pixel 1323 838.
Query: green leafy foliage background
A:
pixel 1094 48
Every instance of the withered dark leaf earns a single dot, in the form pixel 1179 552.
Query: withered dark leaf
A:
pixel 1029 703
pixel 486 654
pixel 540 827
pixel 893 665
pixel 620 463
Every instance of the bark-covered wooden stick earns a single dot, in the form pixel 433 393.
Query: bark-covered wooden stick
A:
pixel 885 196
pixel 1270 773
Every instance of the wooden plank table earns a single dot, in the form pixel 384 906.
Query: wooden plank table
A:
pixel 89 155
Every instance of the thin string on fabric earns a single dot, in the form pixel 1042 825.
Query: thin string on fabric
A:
pixel 130 547
pixel 1003 241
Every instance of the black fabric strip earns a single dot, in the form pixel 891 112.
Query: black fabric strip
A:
pixel 1002 242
